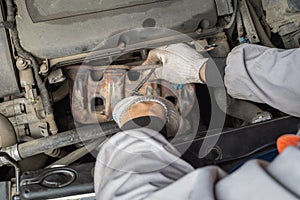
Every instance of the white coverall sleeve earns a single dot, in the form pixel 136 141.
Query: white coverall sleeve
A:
pixel 136 163
pixel 265 75
pixel 142 164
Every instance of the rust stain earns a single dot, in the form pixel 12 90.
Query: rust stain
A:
pixel 95 91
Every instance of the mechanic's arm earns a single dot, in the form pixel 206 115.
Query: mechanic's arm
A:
pixel 253 73
pixel 265 75
pixel 139 161
pixel 136 163
pixel 142 164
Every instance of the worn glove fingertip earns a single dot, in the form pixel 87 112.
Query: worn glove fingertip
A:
pixel 153 57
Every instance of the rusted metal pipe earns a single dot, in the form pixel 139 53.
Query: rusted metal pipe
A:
pixel 67 138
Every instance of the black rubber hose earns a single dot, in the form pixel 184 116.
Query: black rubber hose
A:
pixel 16 41
pixel 67 138
pixel 77 154
pixel 233 17
pixel 71 157
pixel 10 11
pixel 260 29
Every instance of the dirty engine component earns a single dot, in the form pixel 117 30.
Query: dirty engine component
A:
pixel 59 24
pixel 65 64
pixel 284 18
pixel 95 91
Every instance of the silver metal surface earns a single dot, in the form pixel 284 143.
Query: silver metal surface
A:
pixel 248 23
pixel 56 76
pixel 13 152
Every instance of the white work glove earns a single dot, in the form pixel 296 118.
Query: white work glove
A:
pixel 181 63
pixel 135 107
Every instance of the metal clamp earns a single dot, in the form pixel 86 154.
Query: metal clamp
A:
pixel 12 152
pixel 7 159
pixel 53 178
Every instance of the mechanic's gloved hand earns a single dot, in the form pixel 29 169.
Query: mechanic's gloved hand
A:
pixel 181 63
pixel 156 112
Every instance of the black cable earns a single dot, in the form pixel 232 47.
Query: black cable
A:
pixel 233 17
pixel 260 30
pixel 246 155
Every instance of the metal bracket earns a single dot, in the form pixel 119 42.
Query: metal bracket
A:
pixel 248 23
pixel 12 152
pixel 6 158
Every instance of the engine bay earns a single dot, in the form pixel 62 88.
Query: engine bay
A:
pixel 66 64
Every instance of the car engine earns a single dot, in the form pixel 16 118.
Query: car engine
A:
pixel 65 64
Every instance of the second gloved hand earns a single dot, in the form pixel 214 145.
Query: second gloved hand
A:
pixel 181 63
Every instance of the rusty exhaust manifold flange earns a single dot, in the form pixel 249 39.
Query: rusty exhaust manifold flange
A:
pixel 95 91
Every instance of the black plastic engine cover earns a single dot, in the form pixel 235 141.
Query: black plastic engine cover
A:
pixel 51 28
pixel 8 80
